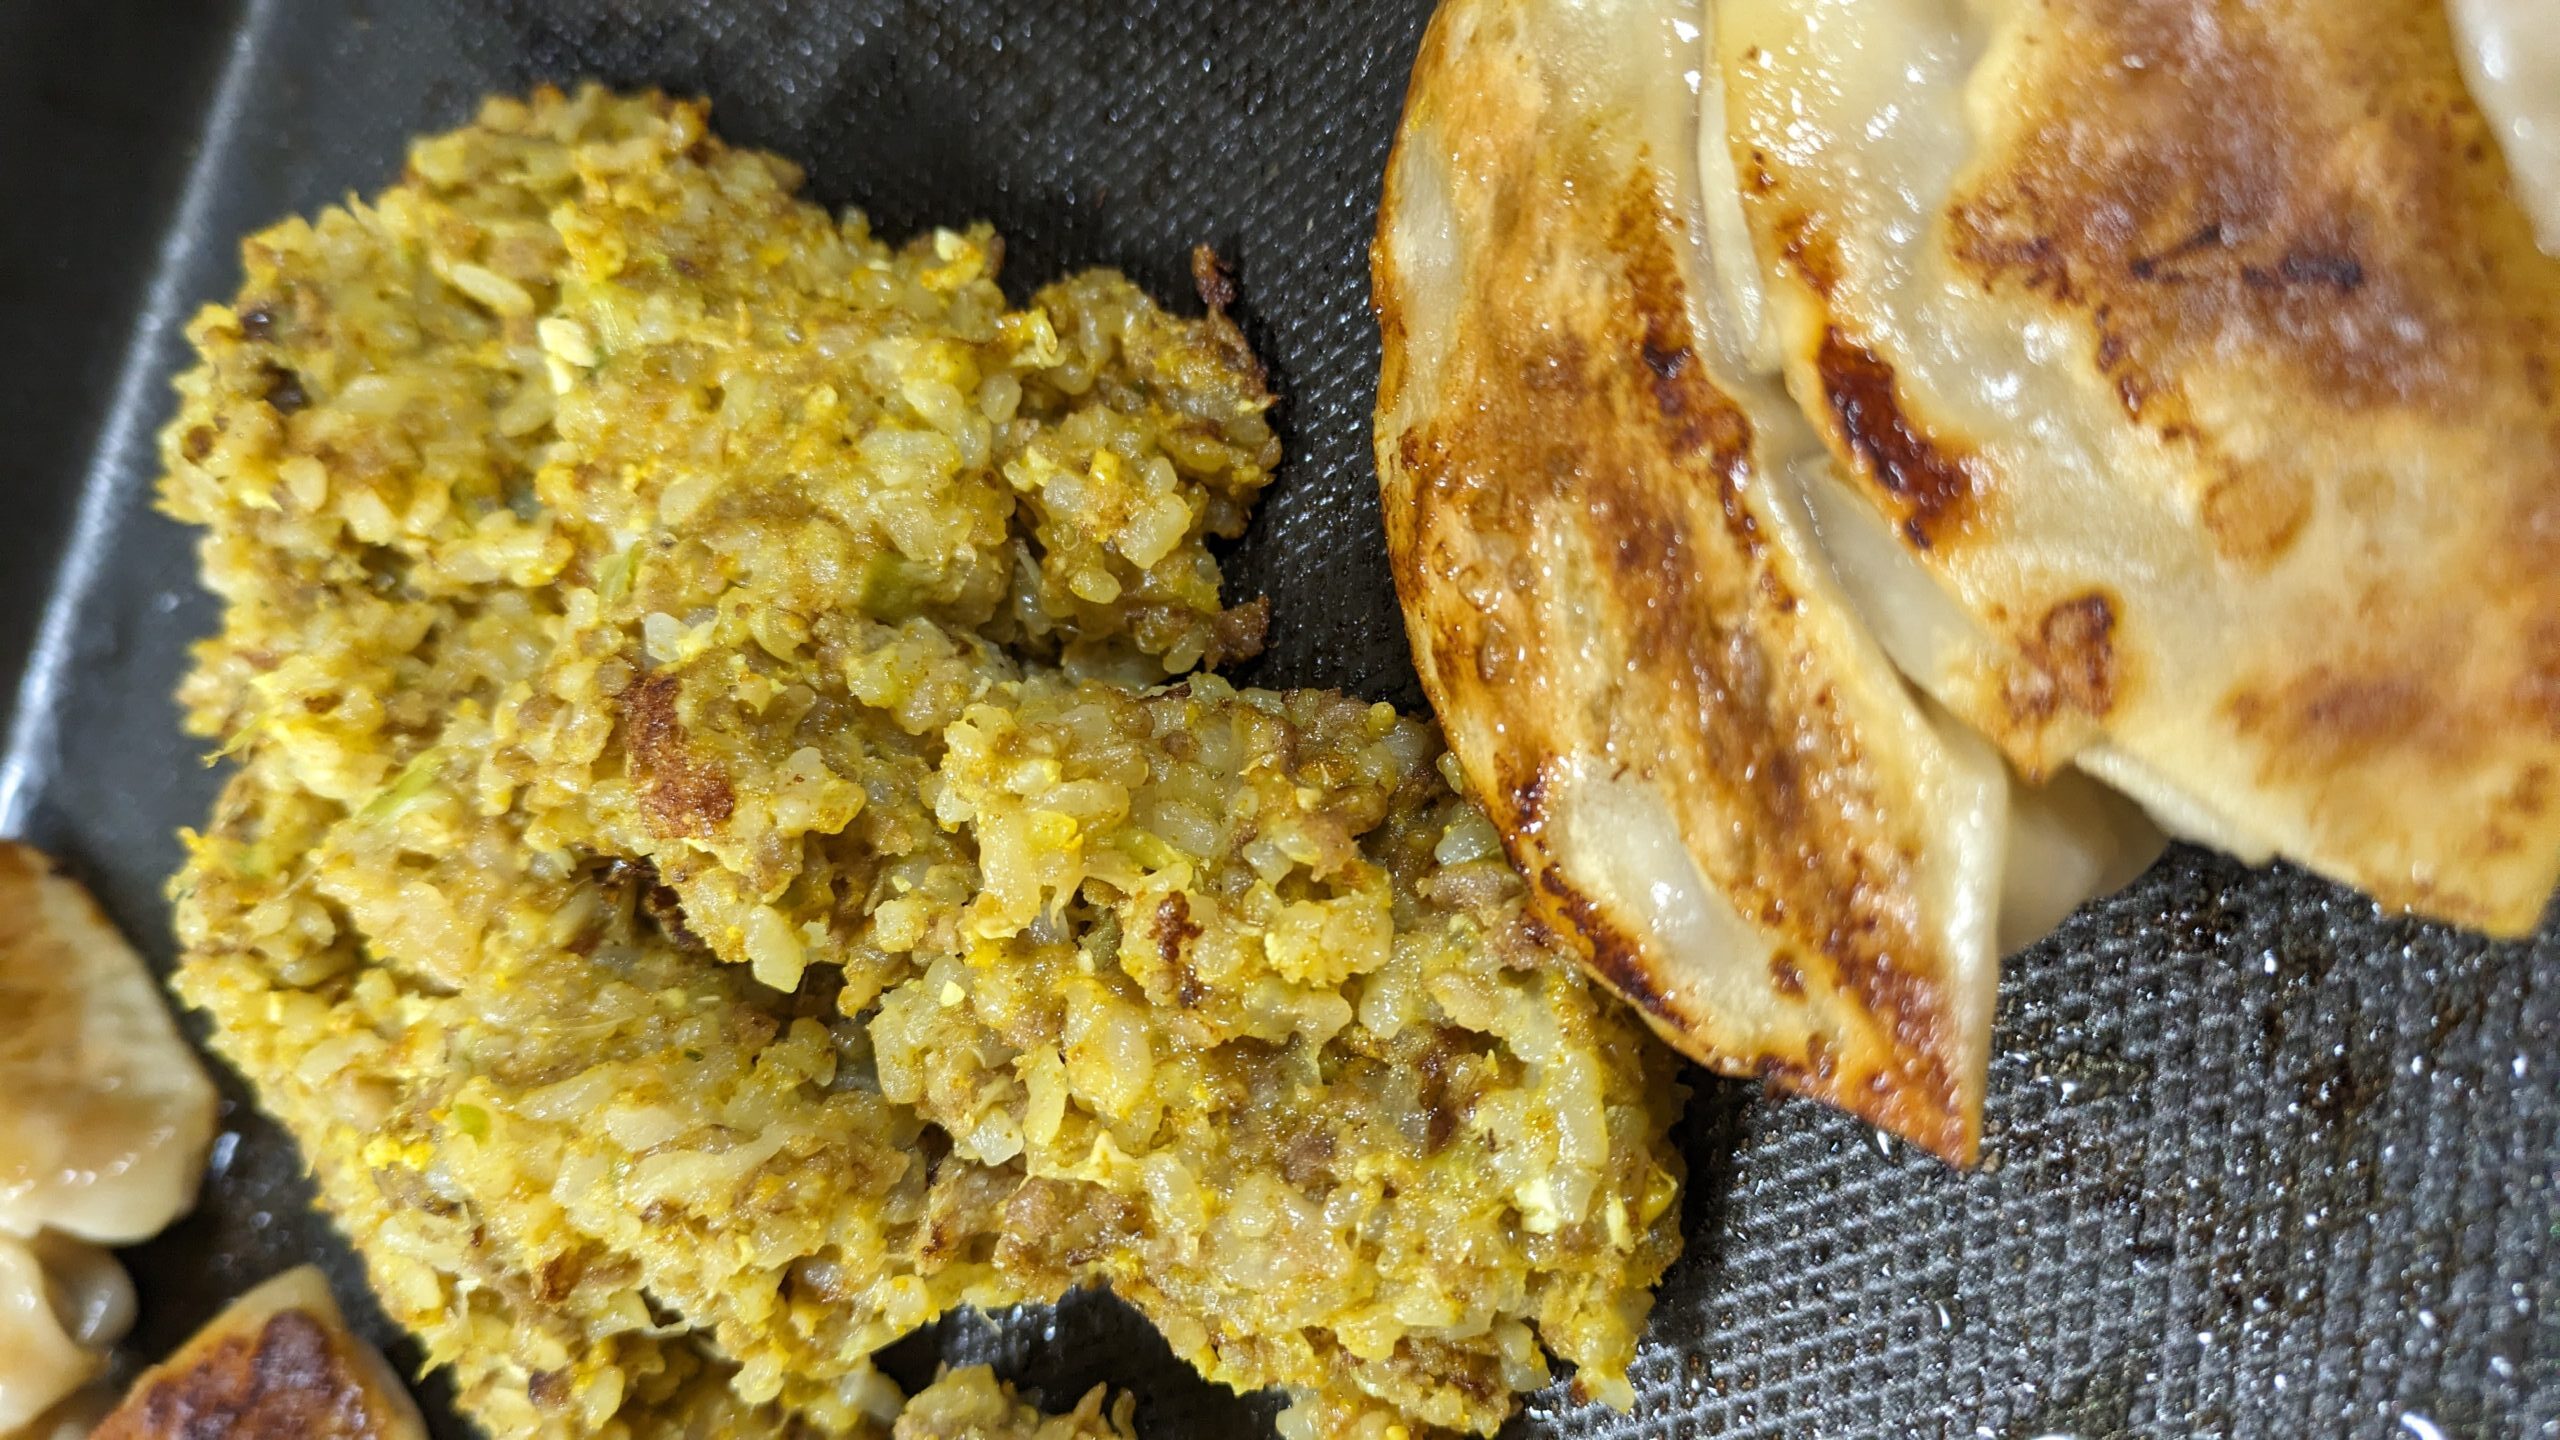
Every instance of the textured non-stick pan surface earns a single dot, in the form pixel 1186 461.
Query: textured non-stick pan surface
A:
pixel 2258 1162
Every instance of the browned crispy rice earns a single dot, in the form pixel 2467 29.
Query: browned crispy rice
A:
pixel 710 887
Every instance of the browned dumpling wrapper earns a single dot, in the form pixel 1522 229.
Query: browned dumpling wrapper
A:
pixel 279 1362
pixel 2188 365
pixel 1711 771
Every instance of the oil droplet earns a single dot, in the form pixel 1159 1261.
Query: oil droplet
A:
pixel 2420 1426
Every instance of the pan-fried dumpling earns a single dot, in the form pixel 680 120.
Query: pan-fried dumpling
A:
pixel 1711 773
pixel 2201 355
pixel 63 1304
pixel 279 1363
pixel 105 1115
pixel 2511 55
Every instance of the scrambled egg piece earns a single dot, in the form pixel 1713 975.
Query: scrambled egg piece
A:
pixel 708 881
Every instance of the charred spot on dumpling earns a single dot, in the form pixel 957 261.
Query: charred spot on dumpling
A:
pixel 1808 249
pixel 1785 974
pixel 2205 199
pixel 1693 413
pixel 2254 512
pixel 279 1362
pixel 2537 689
pixel 2334 712
pixel 1618 959
pixel 2530 798
pixel 1930 486
pixel 2072 662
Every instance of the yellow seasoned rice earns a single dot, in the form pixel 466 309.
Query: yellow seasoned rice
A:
pixel 714 877
pixel 971 1404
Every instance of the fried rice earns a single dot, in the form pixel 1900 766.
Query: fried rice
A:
pixel 714 875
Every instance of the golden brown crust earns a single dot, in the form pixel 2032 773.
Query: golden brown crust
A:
pixel 1578 514
pixel 2071 659
pixel 104 1112
pixel 280 1381
pixel 2308 186
pixel 2287 403
pixel 2298 181
pixel 1927 483
pixel 279 1363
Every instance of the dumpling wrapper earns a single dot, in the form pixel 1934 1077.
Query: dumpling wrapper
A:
pixel 105 1114
pixel 62 1305
pixel 2511 55
pixel 279 1363
pixel 1713 778
pixel 2199 357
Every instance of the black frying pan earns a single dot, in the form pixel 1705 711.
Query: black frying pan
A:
pixel 2258 1162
